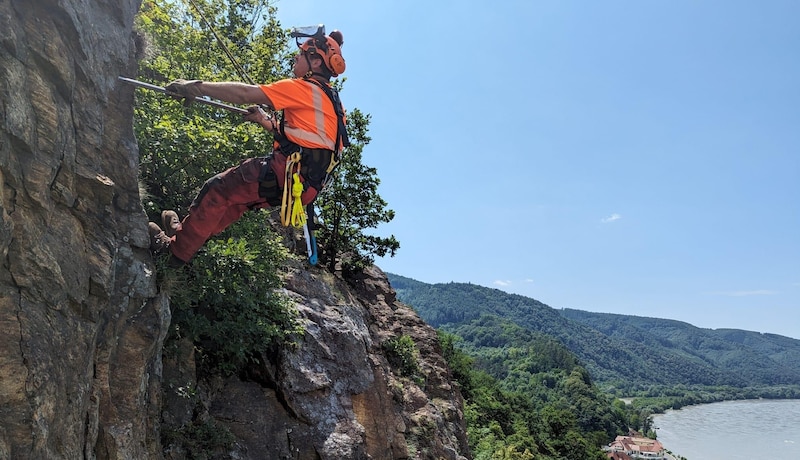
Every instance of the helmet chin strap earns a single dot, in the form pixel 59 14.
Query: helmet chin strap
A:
pixel 310 73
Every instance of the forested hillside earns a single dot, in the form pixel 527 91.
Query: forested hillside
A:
pixel 753 358
pixel 526 395
pixel 622 353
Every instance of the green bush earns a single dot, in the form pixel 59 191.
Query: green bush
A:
pixel 403 355
pixel 231 306
pixel 200 440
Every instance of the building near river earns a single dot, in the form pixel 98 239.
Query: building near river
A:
pixel 633 447
pixel 615 455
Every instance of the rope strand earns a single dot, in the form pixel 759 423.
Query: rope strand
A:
pixel 235 63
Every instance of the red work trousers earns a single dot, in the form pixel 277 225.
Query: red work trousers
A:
pixel 224 199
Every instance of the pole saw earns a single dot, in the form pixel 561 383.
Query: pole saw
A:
pixel 202 100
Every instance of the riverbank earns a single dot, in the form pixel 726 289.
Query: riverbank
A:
pixel 678 398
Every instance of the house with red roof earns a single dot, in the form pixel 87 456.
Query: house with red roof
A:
pixel 636 448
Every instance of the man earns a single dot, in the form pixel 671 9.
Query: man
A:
pixel 312 130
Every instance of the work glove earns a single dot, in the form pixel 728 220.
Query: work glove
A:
pixel 184 89
pixel 257 115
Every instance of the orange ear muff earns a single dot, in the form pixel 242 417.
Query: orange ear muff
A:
pixel 337 63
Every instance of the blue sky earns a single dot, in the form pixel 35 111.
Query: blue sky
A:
pixel 634 157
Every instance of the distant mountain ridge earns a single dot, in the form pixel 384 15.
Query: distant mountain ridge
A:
pixel 618 350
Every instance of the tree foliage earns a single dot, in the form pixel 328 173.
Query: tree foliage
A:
pixel 403 355
pixel 230 306
pixel 351 204
pixel 554 413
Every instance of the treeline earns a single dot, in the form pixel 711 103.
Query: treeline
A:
pixel 542 383
pixel 659 399
pixel 622 353
pixel 725 356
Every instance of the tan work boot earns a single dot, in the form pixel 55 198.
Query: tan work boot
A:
pixel 159 241
pixel 171 222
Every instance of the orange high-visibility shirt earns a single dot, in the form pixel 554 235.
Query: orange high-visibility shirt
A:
pixel 308 113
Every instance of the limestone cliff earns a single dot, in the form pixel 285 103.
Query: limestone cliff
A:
pixel 82 321
pixel 334 396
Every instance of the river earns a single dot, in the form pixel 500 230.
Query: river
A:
pixel 733 430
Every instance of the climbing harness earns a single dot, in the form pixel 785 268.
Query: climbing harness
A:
pixel 292 211
pixel 312 170
pixel 312 155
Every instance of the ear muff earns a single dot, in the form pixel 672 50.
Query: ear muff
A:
pixel 336 64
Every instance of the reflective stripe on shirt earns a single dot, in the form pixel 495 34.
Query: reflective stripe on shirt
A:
pixel 320 136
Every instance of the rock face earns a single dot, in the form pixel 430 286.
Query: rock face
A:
pixel 335 396
pixel 82 322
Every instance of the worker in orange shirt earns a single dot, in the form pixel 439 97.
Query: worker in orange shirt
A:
pixel 311 130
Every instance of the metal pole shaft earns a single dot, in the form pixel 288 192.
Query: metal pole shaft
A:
pixel 201 100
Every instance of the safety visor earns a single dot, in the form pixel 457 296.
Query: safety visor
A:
pixel 300 33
